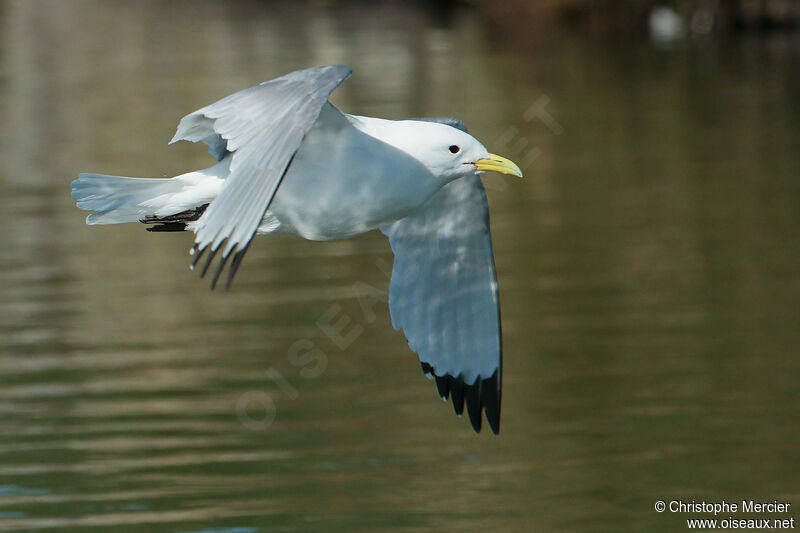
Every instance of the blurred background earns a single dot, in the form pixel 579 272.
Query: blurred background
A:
pixel 648 271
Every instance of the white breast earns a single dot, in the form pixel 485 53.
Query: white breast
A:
pixel 343 182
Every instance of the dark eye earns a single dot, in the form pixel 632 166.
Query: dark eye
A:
pixel 455 149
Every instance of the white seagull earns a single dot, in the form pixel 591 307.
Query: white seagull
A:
pixel 288 160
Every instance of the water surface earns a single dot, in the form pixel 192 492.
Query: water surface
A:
pixel 648 269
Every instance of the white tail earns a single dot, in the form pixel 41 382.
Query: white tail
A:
pixel 117 199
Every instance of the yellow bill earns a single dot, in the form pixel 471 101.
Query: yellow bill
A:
pixel 496 163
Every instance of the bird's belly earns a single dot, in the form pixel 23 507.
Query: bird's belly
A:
pixel 325 211
pixel 343 182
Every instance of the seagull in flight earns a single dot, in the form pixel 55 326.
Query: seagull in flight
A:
pixel 289 161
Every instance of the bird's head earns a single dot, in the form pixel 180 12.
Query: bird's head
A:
pixel 448 153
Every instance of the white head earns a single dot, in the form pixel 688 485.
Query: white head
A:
pixel 447 152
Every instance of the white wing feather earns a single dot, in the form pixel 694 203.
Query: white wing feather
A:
pixel 262 127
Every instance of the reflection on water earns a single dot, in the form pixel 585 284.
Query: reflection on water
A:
pixel 648 271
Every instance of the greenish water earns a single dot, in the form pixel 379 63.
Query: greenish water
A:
pixel 648 269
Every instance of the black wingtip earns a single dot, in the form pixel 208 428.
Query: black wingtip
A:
pixel 472 396
pixel 491 395
pixel 220 268
pixel 237 260
pixel 443 386
pixel 237 255
pixel 208 261
pixel 457 394
pixel 198 253
pixel 482 396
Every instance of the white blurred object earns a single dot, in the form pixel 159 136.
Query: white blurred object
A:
pixel 666 25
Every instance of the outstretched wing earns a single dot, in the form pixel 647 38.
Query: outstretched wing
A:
pixel 443 294
pixel 262 127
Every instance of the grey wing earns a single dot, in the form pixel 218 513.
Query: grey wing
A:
pixel 443 294
pixel 450 121
pixel 262 127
